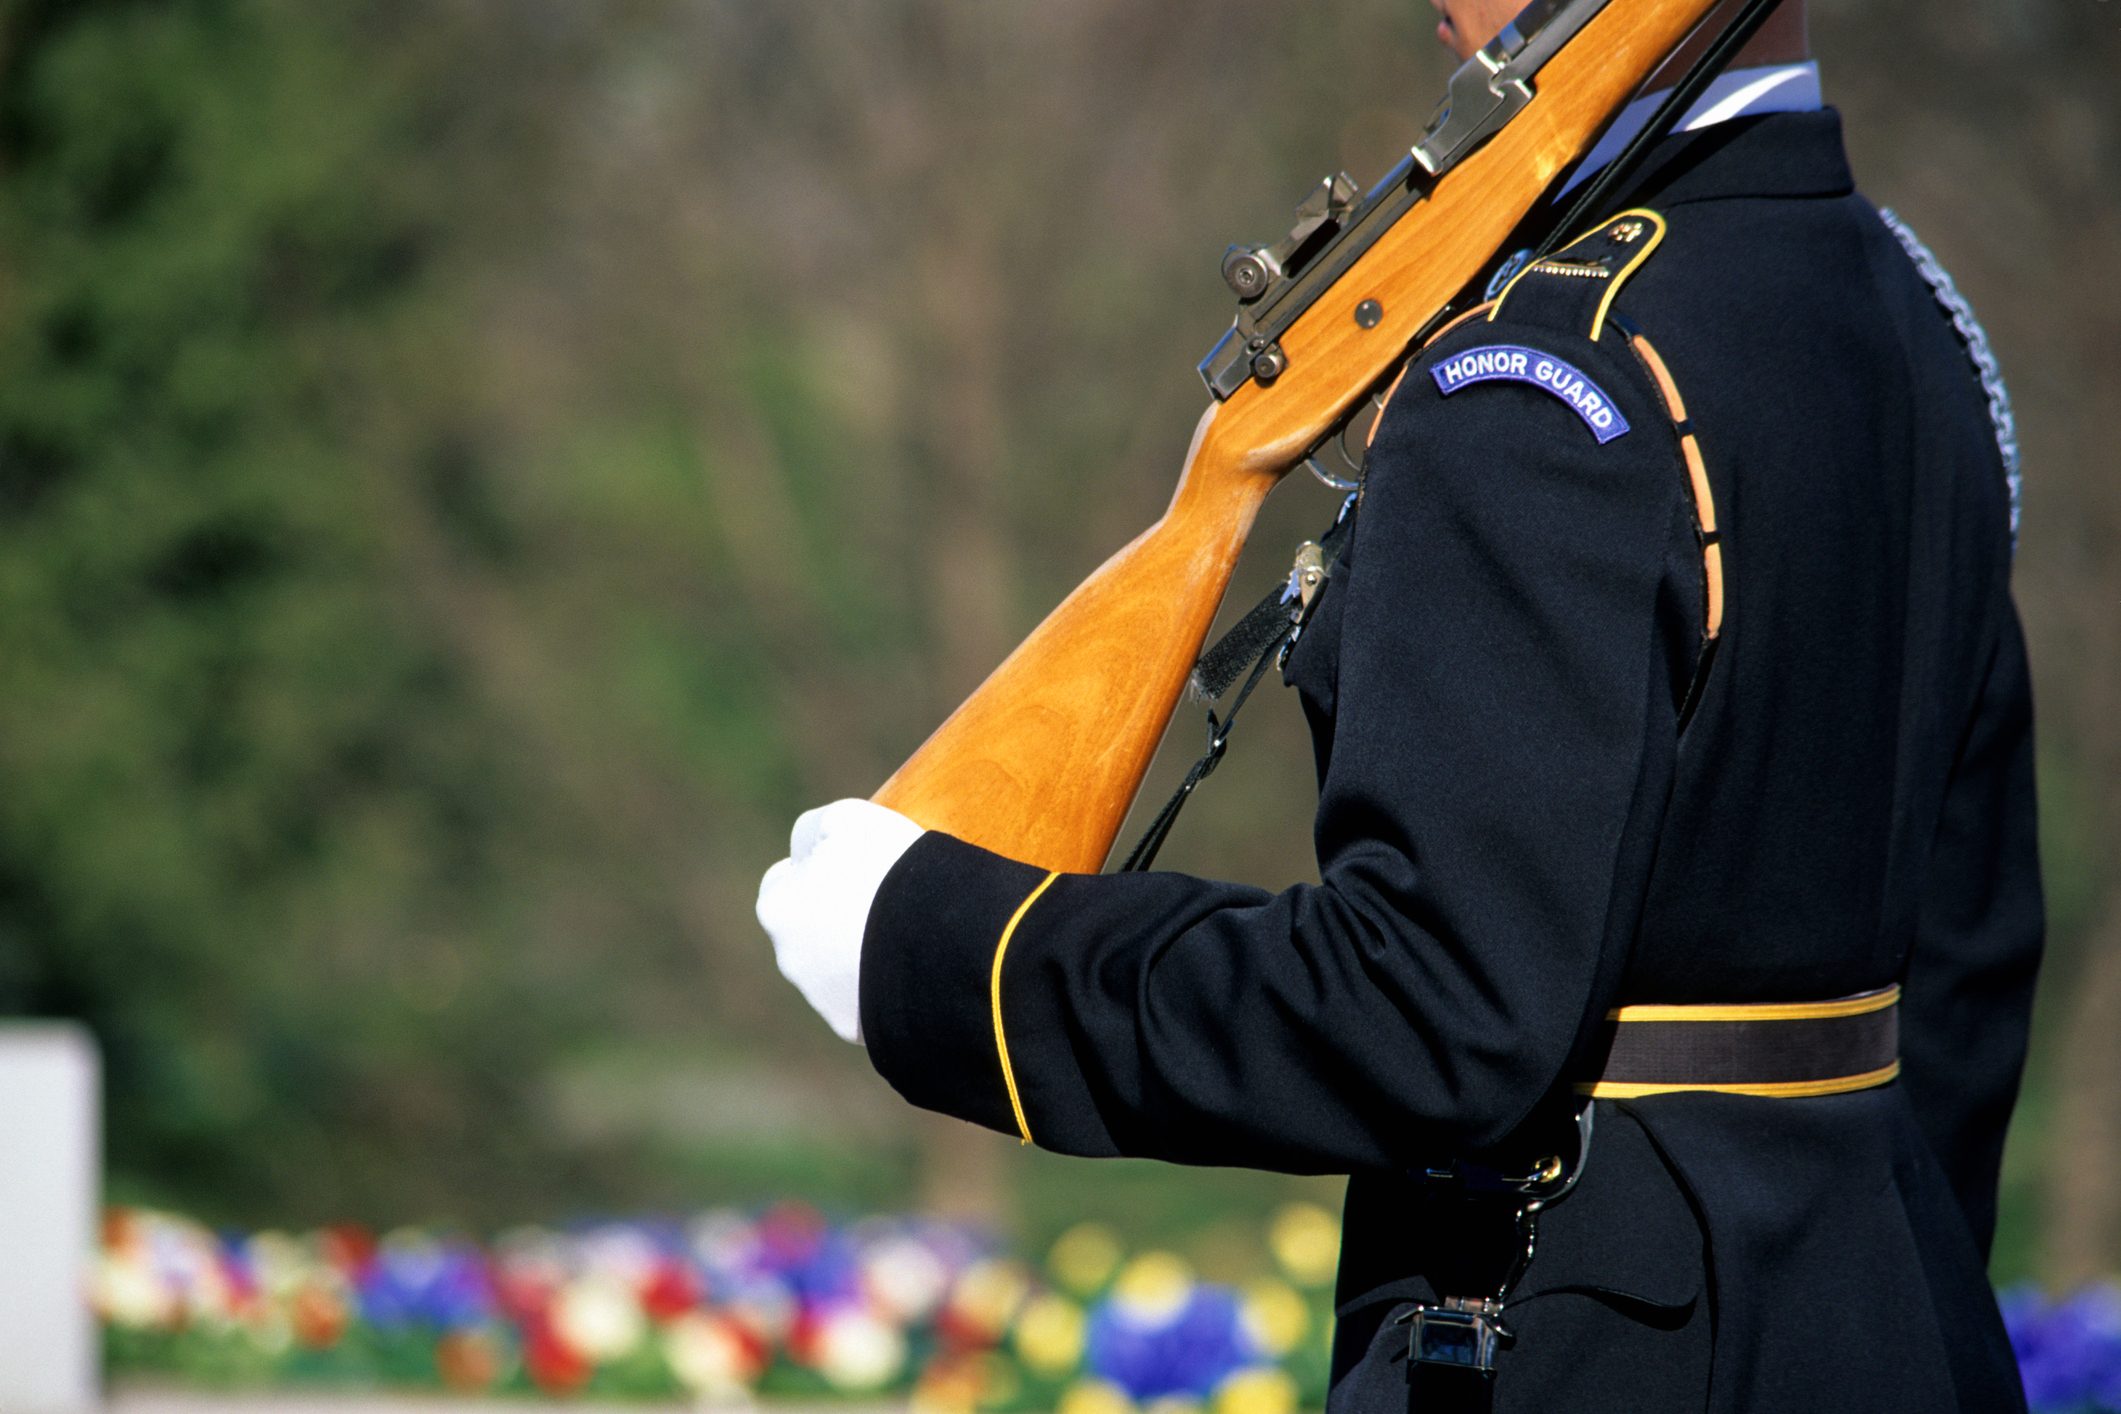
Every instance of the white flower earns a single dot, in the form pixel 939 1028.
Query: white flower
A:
pixel 709 1356
pixel 904 1278
pixel 599 1318
pixel 857 1351
pixel 128 1295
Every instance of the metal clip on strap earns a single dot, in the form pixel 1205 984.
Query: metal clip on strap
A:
pixel 1262 638
pixel 1460 1332
pixel 1466 1332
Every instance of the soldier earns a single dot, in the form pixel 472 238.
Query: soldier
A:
pixel 1679 905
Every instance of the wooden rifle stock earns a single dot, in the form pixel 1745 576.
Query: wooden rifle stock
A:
pixel 1043 760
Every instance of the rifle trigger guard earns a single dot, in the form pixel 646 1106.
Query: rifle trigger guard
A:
pixel 1317 468
pixel 1333 461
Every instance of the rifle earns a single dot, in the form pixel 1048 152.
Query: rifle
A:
pixel 1043 760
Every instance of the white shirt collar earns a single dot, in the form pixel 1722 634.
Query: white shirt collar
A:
pixel 1736 93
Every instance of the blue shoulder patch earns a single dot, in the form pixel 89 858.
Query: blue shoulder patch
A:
pixel 1515 363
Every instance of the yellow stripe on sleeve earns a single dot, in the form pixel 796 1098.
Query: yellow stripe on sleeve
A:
pixel 994 992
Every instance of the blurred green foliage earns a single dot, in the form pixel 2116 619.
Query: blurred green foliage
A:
pixel 256 824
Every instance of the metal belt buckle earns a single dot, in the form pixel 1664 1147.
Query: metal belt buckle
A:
pixel 1463 1333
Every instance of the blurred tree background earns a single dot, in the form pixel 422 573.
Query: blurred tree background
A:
pixel 472 470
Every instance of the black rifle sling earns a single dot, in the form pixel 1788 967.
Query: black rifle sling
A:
pixel 1590 204
pixel 1260 639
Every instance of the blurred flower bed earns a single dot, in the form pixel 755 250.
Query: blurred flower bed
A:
pixel 725 1308
pixel 728 1308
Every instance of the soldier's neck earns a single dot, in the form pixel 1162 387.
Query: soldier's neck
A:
pixel 1781 39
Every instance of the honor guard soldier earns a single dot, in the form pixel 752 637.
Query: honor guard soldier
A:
pixel 1666 987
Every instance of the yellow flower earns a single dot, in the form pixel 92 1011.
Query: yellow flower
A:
pixel 1260 1390
pixel 1084 1257
pixel 1049 1335
pixel 1274 1315
pixel 945 1387
pixel 988 1295
pixel 1306 1241
pixel 959 1384
pixel 279 1263
pixel 1094 1397
pixel 1153 1288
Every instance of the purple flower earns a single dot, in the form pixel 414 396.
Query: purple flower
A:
pixel 443 1286
pixel 831 1277
pixel 2069 1352
pixel 792 1247
pixel 1187 1351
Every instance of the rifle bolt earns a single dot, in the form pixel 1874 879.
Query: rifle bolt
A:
pixel 1269 364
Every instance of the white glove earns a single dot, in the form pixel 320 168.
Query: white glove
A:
pixel 815 904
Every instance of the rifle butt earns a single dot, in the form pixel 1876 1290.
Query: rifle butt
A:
pixel 1044 759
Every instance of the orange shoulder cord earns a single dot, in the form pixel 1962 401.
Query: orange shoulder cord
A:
pixel 1697 480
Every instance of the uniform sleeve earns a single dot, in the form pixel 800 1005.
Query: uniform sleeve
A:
pixel 1967 999
pixel 1503 727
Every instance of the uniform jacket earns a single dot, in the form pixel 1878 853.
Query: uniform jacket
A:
pixel 1542 796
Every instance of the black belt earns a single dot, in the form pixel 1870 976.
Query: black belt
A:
pixel 1770 1049
pixel 1773 1049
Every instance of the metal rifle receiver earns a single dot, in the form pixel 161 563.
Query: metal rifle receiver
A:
pixel 1252 270
pixel 1276 284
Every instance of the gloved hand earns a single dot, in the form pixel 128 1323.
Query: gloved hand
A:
pixel 815 903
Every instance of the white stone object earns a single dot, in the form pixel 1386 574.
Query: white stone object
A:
pixel 50 1166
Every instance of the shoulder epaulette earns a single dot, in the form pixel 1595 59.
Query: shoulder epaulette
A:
pixel 1574 288
pixel 1573 291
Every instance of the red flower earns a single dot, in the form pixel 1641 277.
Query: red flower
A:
pixel 805 1337
pixel 757 1351
pixel 318 1317
pixel 554 1365
pixel 670 1292
pixel 348 1247
pixel 523 1295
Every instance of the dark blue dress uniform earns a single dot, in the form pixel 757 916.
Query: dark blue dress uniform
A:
pixel 1602 720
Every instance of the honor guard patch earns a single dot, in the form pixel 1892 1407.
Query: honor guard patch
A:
pixel 1515 363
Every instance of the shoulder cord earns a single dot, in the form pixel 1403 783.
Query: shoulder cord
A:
pixel 1975 340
